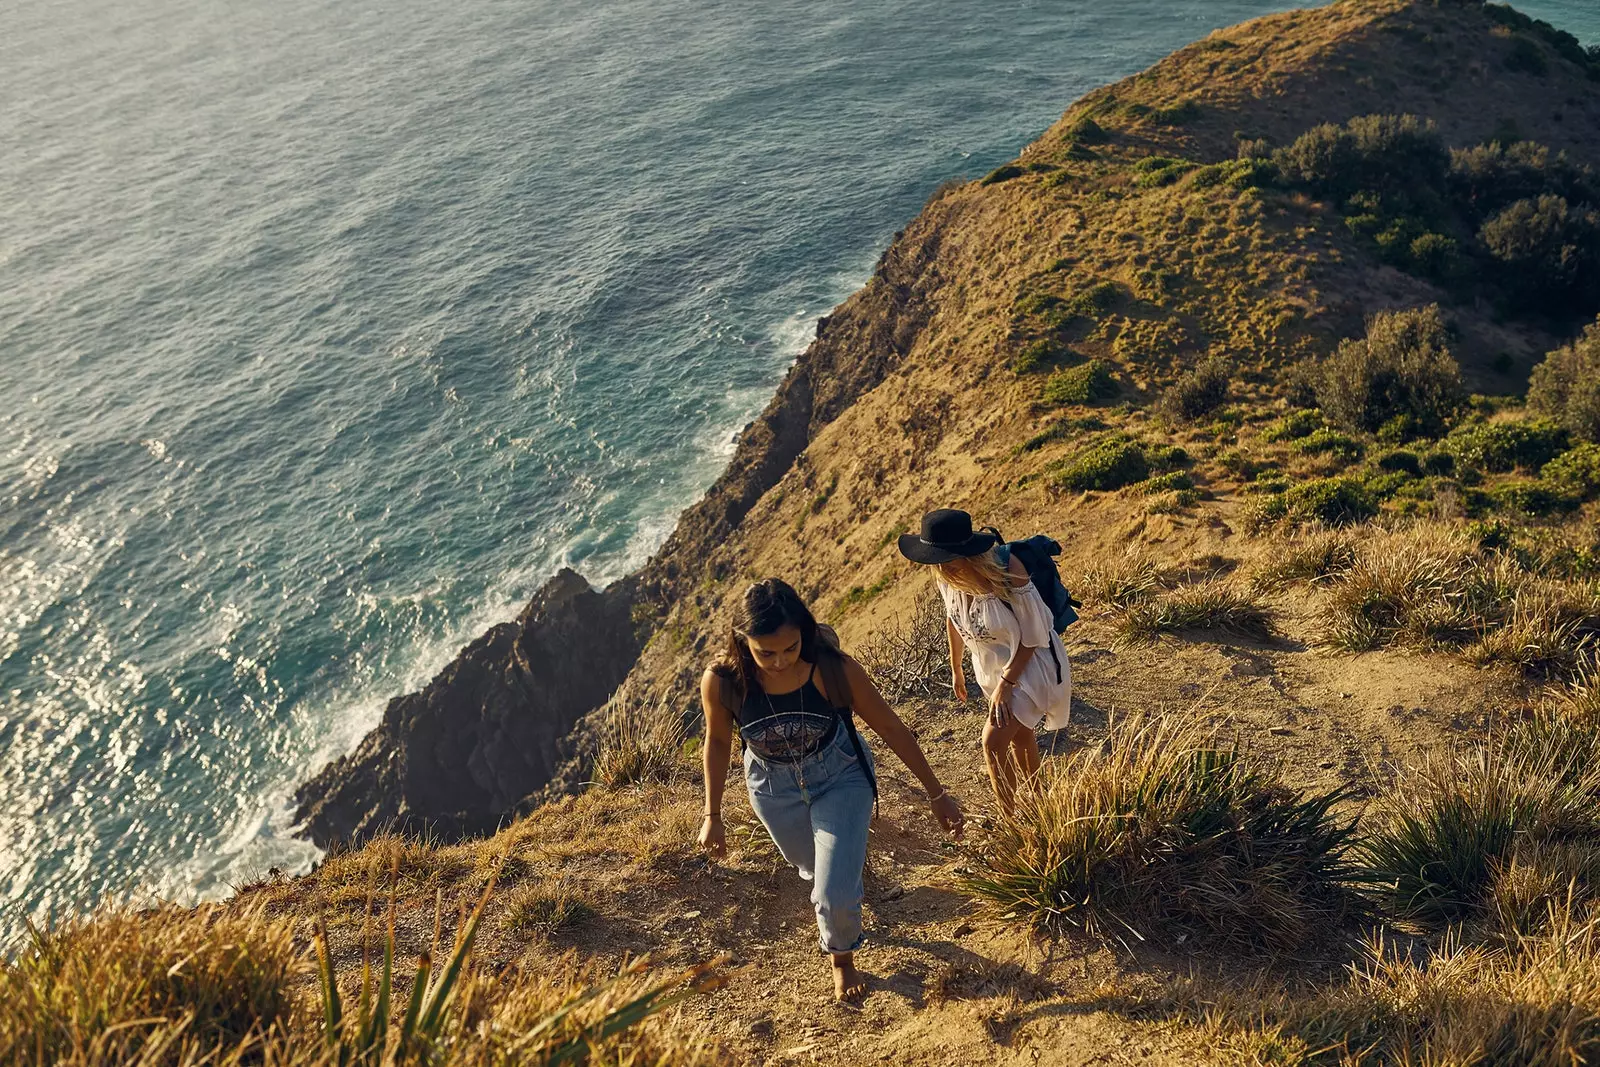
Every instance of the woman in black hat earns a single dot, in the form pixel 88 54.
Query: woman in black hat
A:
pixel 994 611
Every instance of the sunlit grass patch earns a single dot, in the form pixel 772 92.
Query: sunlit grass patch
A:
pixel 1171 836
pixel 1216 605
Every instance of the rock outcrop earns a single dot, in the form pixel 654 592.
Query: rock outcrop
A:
pixel 454 758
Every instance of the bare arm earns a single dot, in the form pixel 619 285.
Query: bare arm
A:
pixel 867 702
pixel 714 761
pixel 958 676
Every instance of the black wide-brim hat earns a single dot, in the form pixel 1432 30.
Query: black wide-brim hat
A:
pixel 946 535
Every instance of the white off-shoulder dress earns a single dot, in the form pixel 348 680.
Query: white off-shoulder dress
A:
pixel 993 631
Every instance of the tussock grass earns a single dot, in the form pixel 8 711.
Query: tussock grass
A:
pixel 641 740
pixel 1169 836
pixel 165 986
pixel 1311 555
pixel 1493 835
pixel 1121 582
pixel 546 908
pixel 1532 1003
pixel 1214 605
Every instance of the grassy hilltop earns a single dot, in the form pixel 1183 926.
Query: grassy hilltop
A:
pixel 1291 341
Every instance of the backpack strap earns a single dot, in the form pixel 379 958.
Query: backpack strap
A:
pixel 831 662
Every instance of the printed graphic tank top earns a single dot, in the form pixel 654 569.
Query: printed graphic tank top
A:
pixel 787 727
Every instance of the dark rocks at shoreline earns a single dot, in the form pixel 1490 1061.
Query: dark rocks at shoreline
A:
pixel 453 760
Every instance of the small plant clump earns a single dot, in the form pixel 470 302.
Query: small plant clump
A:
pixel 1198 392
pixel 1213 605
pixel 1114 462
pixel 1171 836
pixel 1083 384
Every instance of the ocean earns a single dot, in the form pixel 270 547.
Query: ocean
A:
pixel 328 331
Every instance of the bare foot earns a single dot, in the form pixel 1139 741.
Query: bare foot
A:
pixel 849 984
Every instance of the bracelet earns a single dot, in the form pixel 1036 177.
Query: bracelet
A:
pixel 711 815
pixel 943 792
pixel 1007 680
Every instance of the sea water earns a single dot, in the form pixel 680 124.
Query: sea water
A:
pixel 329 330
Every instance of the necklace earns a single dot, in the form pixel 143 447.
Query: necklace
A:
pixel 790 747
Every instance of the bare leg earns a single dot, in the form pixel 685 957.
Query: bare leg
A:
pixel 997 755
pixel 1026 748
pixel 847 981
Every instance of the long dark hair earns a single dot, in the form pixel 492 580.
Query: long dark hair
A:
pixel 767 607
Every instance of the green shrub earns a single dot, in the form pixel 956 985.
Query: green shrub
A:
pixel 1438 464
pixel 1034 356
pixel 1504 446
pixel 1293 426
pixel 1549 253
pixel 1082 384
pixel 1111 464
pixel 1331 501
pixel 1489 178
pixel 1387 153
pixel 1400 460
pixel 1330 442
pixel 1402 367
pixel 1534 498
pixel 1166 457
pixel 1235 174
pixel 1566 385
pixel 1169 835
pixel 1002 174
pixel 1526 57
pixel 1200 391
pixel 1384 486
pixel 1058 430
pixel 1576 471
pixel 1087 131
pixel 1163 483
pixel 1153 171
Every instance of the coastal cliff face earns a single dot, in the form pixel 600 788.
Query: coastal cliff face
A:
pixel 910 396
pixel 491 730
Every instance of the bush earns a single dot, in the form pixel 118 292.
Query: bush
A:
pixel 1489 178
pixel 1576 471
pixel 1386 153
pixel 1331 501
pixel 1082 384
pixel 1549 253
pixel 1033 357
pixel 1200 391
pixel 1171 836
pixel 1566 385
pixel 1111 464
pixel 1504 446
pixel 1293 426
pixel 1313 557
pixel 1325 442
pixel 1087 131
pixel 1402 367
pixel 1154 171
pixel 1166 483
pixel 1533 498
pixel 1400 460
pixel 908 657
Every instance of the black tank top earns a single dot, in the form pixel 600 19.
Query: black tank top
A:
pixel 787 727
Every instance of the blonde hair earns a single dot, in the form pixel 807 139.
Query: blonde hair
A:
pixel 979 575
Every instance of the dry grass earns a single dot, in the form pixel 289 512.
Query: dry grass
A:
pixel 219 988
pixel 545 908
pixel 1431 585
pixel 1532 1003
pixel 1216 605
pixel 1312 554
pixel 641 740
pixel 1169 836
pixel 167 986
pixel 1121 583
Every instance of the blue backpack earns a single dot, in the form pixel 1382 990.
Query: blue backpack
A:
pixel 1036 554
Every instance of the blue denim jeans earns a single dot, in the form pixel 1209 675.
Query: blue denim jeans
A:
pixel 817 811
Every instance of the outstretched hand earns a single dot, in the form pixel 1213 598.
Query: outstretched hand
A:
pixel 713 836
pixel 948 814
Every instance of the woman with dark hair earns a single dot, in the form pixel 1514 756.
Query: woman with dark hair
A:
pixel 811 779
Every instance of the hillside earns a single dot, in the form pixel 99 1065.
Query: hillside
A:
pixel 1142 337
